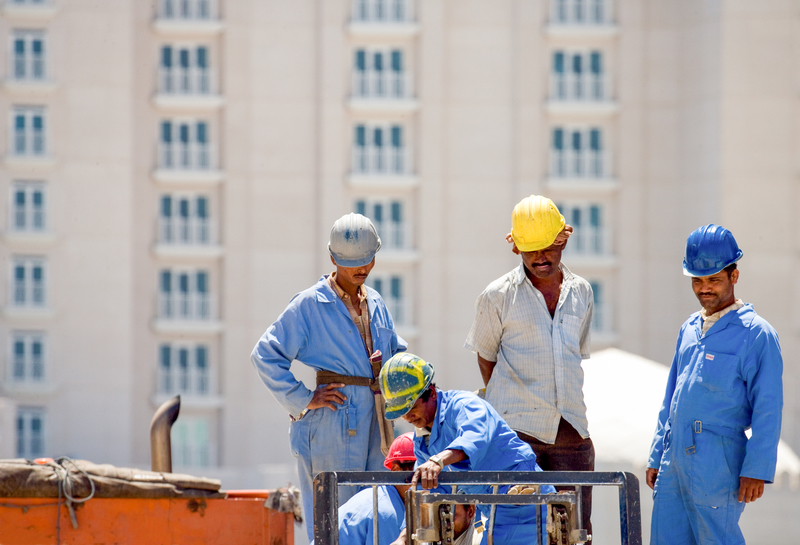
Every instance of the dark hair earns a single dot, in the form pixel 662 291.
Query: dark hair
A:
pixel 405 466
pixel 426 395
pixel 729 269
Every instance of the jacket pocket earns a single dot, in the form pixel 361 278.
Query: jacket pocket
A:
pixel 718 372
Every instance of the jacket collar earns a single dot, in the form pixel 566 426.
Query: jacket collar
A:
pixel 742 317
pixel 325 294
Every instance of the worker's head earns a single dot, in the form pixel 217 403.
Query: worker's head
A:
pixel 539 234
pixel 401 454
pixel 463 518
pixel 353 245
pixel 710 259
pixel 405 380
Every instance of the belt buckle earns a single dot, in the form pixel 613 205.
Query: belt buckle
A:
pixel 698 426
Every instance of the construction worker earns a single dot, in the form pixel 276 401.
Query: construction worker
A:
pixel 459 430
pixel 356 516
pixel 341 329
pixel 530 334
pixel 725 378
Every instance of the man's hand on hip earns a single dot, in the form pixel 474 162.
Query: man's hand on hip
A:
pixel 651 473
pixel 327 395
pixel 750 489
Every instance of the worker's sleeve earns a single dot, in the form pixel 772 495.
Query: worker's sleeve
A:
pixel 487 329
pixel 353 527
pixel 657 447
pixel 474 428
pixel 586 328
pixel 282 343
pixel 763 372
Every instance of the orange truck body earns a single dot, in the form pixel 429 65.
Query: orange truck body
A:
pixel 241 518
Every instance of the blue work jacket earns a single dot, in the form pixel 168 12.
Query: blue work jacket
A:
pixel 724 382
pixel 317 329
pixel 465 422
pixel 355 517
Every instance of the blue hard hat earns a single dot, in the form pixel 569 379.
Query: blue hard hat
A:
pixel 710 249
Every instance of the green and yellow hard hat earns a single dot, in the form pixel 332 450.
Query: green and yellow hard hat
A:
pixel 403 379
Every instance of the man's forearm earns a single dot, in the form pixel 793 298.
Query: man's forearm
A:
pixel 487 367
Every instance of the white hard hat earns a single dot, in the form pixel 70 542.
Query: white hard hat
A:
pixel 354 241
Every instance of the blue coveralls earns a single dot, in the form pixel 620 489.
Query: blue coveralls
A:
pixel 355 517
pixel 465 422
pixel 720 384
pixel 317 330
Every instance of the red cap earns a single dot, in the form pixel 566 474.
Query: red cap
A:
pixel 402 450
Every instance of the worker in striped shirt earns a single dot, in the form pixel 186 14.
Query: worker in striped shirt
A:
pixel 530 334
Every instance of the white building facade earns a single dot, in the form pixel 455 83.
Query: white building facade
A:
pixel 171 169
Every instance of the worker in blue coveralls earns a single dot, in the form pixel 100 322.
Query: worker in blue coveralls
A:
pixel 725 378
pixel 356 516
pixel 460 430
pixel 341 329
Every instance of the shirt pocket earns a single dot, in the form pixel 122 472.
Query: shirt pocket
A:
pixel 571 332
pixel 718 372
pixel 383 341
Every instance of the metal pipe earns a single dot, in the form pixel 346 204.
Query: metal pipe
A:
pixel 160 443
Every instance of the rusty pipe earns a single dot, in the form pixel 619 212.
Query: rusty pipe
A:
pixel 160 427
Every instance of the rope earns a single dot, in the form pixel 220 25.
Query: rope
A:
pixel 65 487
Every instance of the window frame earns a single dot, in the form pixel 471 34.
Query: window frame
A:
pixel 28 262
pixel 28 413
pixel 30 188
pixel 29 135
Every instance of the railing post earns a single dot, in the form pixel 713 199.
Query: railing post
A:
pixel 630 516
pixel 326 504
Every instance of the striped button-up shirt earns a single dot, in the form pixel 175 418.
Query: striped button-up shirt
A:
pixel 538 378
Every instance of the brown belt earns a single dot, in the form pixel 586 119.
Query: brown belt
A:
pixel 328 377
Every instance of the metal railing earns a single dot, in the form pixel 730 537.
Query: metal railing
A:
pixel 187 10
pixel 184 306
pixel 380 160
pixel 185 156
pixel 589 241
pixel 185 81
pixel 193 231
pixel 326 496
pixel 578 164
pixel 580 12
pixel 381 84
pixel 383 11
pixel 579 87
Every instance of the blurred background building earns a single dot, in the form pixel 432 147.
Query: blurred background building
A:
pixel 171 168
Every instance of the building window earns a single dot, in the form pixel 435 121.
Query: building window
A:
pixel 188 10
pixel 392 291
pixel 28 282
pixel 27 207
pixel 580 12
pixel 28 131
pixel 388 216
pixel 380 73
pixel 601 313
pixel 591 236
pixel 578 153
pixel 30 432
pixel 184 219
pixel 27 54
pixel 184 295
pixel 184 145
pixel 382 11
pixel 191 445
pixel 183 370
pixel 578 76
pixel 27 357
pixel 380 150
pixel 184 70
pixel 29 2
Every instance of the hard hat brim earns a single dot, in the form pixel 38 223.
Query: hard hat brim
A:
pixel 699 273
pixel 352 262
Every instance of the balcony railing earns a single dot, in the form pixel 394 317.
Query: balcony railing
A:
pixel 393 234
pixel 29 68
pixel 189 380
pixel 589 241
pixel 383 11
pixel 185 231
pixel 185 81
pixel 579 164
pixel 384 160
pixel 185 156
pixel 187 10
pixel 381 84
pixel 580 12
pixel 189 306
pixel 579 87
pixel 29 143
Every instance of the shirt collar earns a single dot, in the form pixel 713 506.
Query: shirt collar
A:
pixel 565 282
pixel 720 313
pixel 362 291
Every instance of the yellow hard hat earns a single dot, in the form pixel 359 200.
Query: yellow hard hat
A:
pixel 535 223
